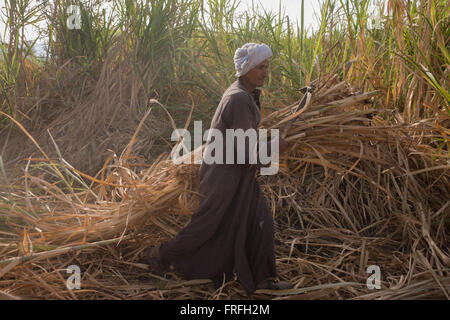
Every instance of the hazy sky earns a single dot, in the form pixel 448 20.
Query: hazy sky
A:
pixel 290 7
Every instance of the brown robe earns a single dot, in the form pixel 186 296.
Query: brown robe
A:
pixel 232 230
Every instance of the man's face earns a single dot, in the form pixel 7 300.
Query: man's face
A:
pixel 258 74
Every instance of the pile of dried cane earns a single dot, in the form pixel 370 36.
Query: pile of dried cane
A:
pixel 358 188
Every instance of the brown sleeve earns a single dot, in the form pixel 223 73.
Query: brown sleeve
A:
pixel 239 114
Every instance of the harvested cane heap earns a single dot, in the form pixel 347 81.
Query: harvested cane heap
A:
pixel 357 188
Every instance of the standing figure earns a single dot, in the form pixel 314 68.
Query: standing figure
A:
pixel 232 231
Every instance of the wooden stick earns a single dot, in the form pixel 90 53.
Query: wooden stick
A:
pixel 59 251
pixel 333 89
pixel 295 136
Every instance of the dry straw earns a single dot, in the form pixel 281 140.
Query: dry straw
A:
pixel 357 188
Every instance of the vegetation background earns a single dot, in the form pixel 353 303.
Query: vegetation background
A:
pixel 81 103
pixel 92 87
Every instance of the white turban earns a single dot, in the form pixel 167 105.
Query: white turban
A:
pixel 249 56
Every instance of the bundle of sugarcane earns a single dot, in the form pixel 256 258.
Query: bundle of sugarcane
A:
pixel 362 190
pixel 356 189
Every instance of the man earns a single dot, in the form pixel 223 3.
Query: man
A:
pixel 232 230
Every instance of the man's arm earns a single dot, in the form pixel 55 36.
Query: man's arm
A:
pixel 239 114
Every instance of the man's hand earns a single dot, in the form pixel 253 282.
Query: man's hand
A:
pixel 284 146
